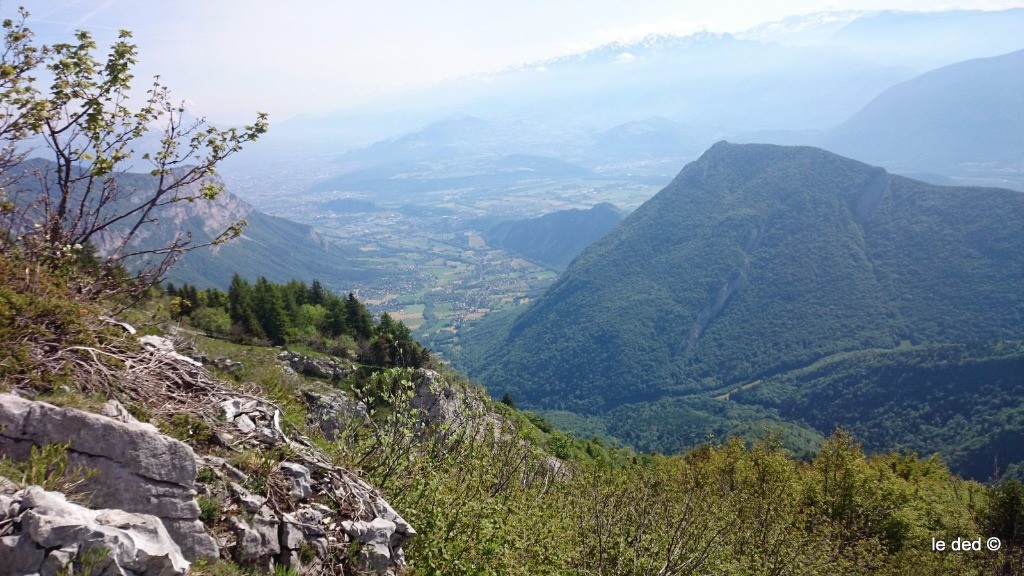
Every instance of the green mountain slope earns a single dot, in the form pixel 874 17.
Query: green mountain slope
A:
pixel 554 239
pixel 757 260
pixel 278 249
pixel 269 246
pixel 961 400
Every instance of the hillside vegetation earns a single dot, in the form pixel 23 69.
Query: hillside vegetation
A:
pixel 757 260
pixel 485 501
pixel 554 239
pixel 324 440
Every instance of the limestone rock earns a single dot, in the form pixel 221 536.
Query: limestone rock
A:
pixel 266 525
pixel 50 532
pixel 244 424
pixel 257 543
pixel 138 469
pixel 375 552
pixel 299 480
pixel 135 446
pixel 443 407
pixel 331 369
pixel 191 537
pixel 254 419
pixel 20 555
pixel 114 409
pixel 333 413
pixel 250 502
pixel 248 543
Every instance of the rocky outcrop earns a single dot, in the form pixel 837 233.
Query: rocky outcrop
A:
pixel 335 412
pixel 137 469
pixel 315 517
pixel 331 369
pixel 303 512
pixel 445 408
pixel 45 534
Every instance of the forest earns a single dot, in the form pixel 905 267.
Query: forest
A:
pixel 297 315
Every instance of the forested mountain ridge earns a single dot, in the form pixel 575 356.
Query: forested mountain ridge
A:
pixel 554 239
pixel 756 260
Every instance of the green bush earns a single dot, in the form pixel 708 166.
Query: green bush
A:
pixel 47 466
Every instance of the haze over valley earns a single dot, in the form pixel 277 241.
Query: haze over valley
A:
pixel 616 123
pixel 544 287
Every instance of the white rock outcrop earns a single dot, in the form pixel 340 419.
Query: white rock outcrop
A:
pixel 137 468
pixel 47 535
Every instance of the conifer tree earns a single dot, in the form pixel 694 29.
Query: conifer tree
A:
pixel 270 311
pixel 241 309
pixel 358 317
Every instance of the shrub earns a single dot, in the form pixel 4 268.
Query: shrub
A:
pixel 47 466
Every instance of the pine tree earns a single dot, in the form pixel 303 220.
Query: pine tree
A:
pixel 316 293
pixel 270 311
pixel 358 317
pixel 241 310
pixel 336 317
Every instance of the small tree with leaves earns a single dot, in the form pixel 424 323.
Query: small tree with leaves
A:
pixel 85 124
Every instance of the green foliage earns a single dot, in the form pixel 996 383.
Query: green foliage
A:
pixel 1003 518
pixel 91 561
pixel 47 466
pixel 757 261
pixel 556 238
pixel 296 314
pixel 206 475
pixel 474 490
pixel 507 401
pixel 36 311
pixel 733 508
pixel 258 465
pixel 217 567
pixel 187 428
pixel 82 120
pixel 214 321
pixel 960 401
pixel 282 570
pixel 209 510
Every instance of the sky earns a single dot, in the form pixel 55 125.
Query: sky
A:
pixel 229 58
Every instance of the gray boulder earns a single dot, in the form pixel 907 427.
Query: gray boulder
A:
pixel 298 479
pixel 137 468
pixel 331 369
pixel 334 413
pixel 445 409
pixel 51 533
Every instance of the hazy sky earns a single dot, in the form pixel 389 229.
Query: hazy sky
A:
pixel 229 58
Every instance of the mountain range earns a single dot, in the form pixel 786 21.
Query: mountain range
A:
pixel 773 82
pixel 758 260
pixel 963 120
pixel 269 246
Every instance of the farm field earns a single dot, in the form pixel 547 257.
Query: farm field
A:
pixel 442 273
